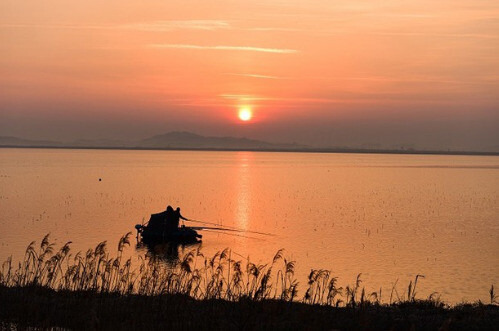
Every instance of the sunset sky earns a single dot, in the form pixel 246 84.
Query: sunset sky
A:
pixel 387 73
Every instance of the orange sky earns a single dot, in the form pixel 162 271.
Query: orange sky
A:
pixel 319 72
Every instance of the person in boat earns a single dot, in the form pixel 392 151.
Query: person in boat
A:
pixel 178 216
pixel 169 220
pixel 161 222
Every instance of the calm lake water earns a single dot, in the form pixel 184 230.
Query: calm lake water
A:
pixel 388 217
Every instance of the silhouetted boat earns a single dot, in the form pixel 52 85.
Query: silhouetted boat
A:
pixel 183 235
pixel 158 230
pixel 155 231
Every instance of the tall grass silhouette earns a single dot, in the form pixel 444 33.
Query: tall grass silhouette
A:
pixel 193 275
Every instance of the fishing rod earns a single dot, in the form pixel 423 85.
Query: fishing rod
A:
pixel 221 229
pixel 232 234
pixel 212 228
pixel 227 228
pixel 202 222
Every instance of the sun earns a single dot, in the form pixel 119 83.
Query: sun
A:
pixel 245 114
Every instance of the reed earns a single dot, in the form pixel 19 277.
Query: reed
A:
pixel 218 277
pixel 192 275
pixel 96 290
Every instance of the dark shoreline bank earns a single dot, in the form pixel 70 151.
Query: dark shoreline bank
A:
pixel 39 307
pixel 277 150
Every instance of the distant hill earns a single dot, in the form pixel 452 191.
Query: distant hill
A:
pixel 171 140
pixel 100 143
pixel 191 140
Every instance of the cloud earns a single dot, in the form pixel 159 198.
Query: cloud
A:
pixel 433 34
pixel 256 76
pixel 292 100
pixel 226 48
pixel 207 25
pixel 153 26
pixel 267 29
pixel 56 26
pixel 244 97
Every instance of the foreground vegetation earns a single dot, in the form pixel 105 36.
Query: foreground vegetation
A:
pixel 94 290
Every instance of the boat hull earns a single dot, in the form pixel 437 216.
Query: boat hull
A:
pixel 183 235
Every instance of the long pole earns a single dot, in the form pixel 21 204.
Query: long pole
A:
pixel 234 234
pixel 226 228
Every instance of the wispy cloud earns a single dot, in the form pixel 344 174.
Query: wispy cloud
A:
pixel 255 98
pixel 153 26
pixel 477 80
pixel 56 26
pixel 433 34
pixel 226 48
pixel 269 29
pixel 244 97
pixel 207 25
pixel 256 76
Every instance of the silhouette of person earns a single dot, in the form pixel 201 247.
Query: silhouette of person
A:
pixel 169 221
pixel 178 216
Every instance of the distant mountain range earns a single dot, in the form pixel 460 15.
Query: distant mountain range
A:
pixel 191 141
pixel 171 140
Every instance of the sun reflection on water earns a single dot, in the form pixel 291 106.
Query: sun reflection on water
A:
pixel 244 160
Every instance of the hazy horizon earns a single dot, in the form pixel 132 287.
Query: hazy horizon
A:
pixel 132 143
pixel 350 73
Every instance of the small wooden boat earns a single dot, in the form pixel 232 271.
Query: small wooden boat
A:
pixel 182 235
pixel 159 230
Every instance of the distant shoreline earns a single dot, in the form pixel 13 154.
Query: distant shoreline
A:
pixel 272 150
